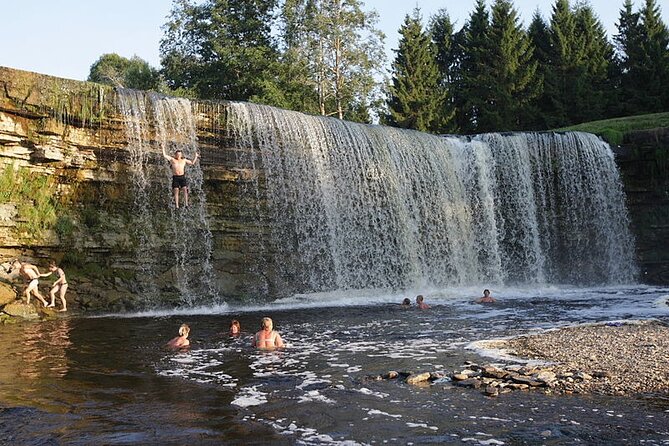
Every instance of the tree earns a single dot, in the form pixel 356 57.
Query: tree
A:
pixel 221 49
pixel 416 97
pixel 628 43
pixel 514 83
pixel 447 56
pixel 539 36
pixel 112 69
pixel 652 71
pixel 474 77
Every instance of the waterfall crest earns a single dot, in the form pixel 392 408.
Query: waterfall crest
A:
pixel 361 206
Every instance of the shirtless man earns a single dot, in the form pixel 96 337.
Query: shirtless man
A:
pixel 420 303
pixel 487 298
pixel 179 181
pixel 30 272
pixel 267 338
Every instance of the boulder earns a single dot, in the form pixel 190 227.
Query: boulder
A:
pixel 418 378
pixel 7 294
pixel 22 310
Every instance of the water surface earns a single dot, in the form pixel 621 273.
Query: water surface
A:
pixel 107 380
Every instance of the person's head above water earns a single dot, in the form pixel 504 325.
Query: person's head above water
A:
pixel 266 324
pixel 406 301
pixel 235 326
pixel 419 298
pixel 184 330
pixel 486 293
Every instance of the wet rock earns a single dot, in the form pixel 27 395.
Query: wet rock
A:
pixel 491 391
pixel 545 376
pixel 601 374
pixel 471 382
pixel 460 377
pixel 418 378
pixel 437 375
pixel 391 375
pixel 7 294
pixel 21 310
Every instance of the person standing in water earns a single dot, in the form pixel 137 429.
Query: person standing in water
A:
pixel 179 181
pixel 31 273
pixel 182 339
pixel 487 298
pixel 267 338
pixel 59 286
pixel 420 304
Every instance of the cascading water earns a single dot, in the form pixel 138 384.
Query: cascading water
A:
pixel 360 206
pixel 187 233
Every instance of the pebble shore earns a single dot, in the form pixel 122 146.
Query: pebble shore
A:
pixel 630 358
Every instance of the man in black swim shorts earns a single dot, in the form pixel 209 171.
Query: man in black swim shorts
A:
pixel 179 180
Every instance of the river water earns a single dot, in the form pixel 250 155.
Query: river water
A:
pixel 108 380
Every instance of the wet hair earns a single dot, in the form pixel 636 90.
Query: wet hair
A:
pixel 419 298
pixel 184 330
pixel 266 322
pixel 52 263
pixel 486 291
pixel 235 323
pixel 406 301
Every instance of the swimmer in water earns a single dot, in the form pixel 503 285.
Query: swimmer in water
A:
pixel 420 304
pixel 487 298
pixel 235 328
pixel 181 340
pixel 267 338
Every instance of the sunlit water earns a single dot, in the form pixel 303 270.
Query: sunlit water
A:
pixel 108 380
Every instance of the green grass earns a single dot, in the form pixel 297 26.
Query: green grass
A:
pixel 614 130
pixel 34 196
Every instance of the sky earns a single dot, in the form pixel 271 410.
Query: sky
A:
pixel 65 37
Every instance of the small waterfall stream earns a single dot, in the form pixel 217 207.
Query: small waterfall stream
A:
pixel 152 122
pixel 360 206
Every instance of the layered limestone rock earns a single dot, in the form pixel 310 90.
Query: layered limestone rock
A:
pixel 66 169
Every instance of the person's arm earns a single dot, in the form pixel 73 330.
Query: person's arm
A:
pixel 46 274
pixel 278 341
pixel 189 162
pixel 165 155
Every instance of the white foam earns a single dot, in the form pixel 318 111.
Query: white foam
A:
pixel 250 396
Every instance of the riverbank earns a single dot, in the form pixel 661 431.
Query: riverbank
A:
pixel 633 358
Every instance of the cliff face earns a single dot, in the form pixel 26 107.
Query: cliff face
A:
pixel 68 192
pixel 643 159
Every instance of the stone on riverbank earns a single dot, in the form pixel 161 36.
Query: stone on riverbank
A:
pixel 21 310
pixel 7 294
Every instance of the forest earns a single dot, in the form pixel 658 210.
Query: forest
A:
pixel 327 57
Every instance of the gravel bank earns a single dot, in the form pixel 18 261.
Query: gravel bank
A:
pixel 634 358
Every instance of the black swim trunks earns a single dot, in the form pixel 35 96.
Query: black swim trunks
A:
pixel 179 181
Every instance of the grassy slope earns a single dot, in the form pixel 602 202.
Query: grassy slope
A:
pixel 613 130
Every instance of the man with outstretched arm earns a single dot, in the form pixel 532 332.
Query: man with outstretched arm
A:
pixel 179 180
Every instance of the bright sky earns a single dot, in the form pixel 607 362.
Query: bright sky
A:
pixel 64 37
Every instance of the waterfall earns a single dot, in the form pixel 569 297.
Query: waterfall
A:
pixel 152 122
pixel 362 206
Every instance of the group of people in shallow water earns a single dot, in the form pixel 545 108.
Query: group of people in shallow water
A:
pixel 32 274
pixel 421 305
pixel 266 338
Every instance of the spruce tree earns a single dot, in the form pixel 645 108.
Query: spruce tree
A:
pixel 514 84
pixel 654 70
pixel 539 36
pixel 441 31
pixel 628 59
pixel 473 90
pixel 416 97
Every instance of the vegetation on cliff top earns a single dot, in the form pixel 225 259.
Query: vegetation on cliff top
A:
pixel 614 130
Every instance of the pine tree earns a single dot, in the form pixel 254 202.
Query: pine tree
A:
pixel 474 78
pixel 539 36
pixel 628 44
pixel 441 31
pixel 654 70
pixel 596 87
pixel 416 97
pixel 514 84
